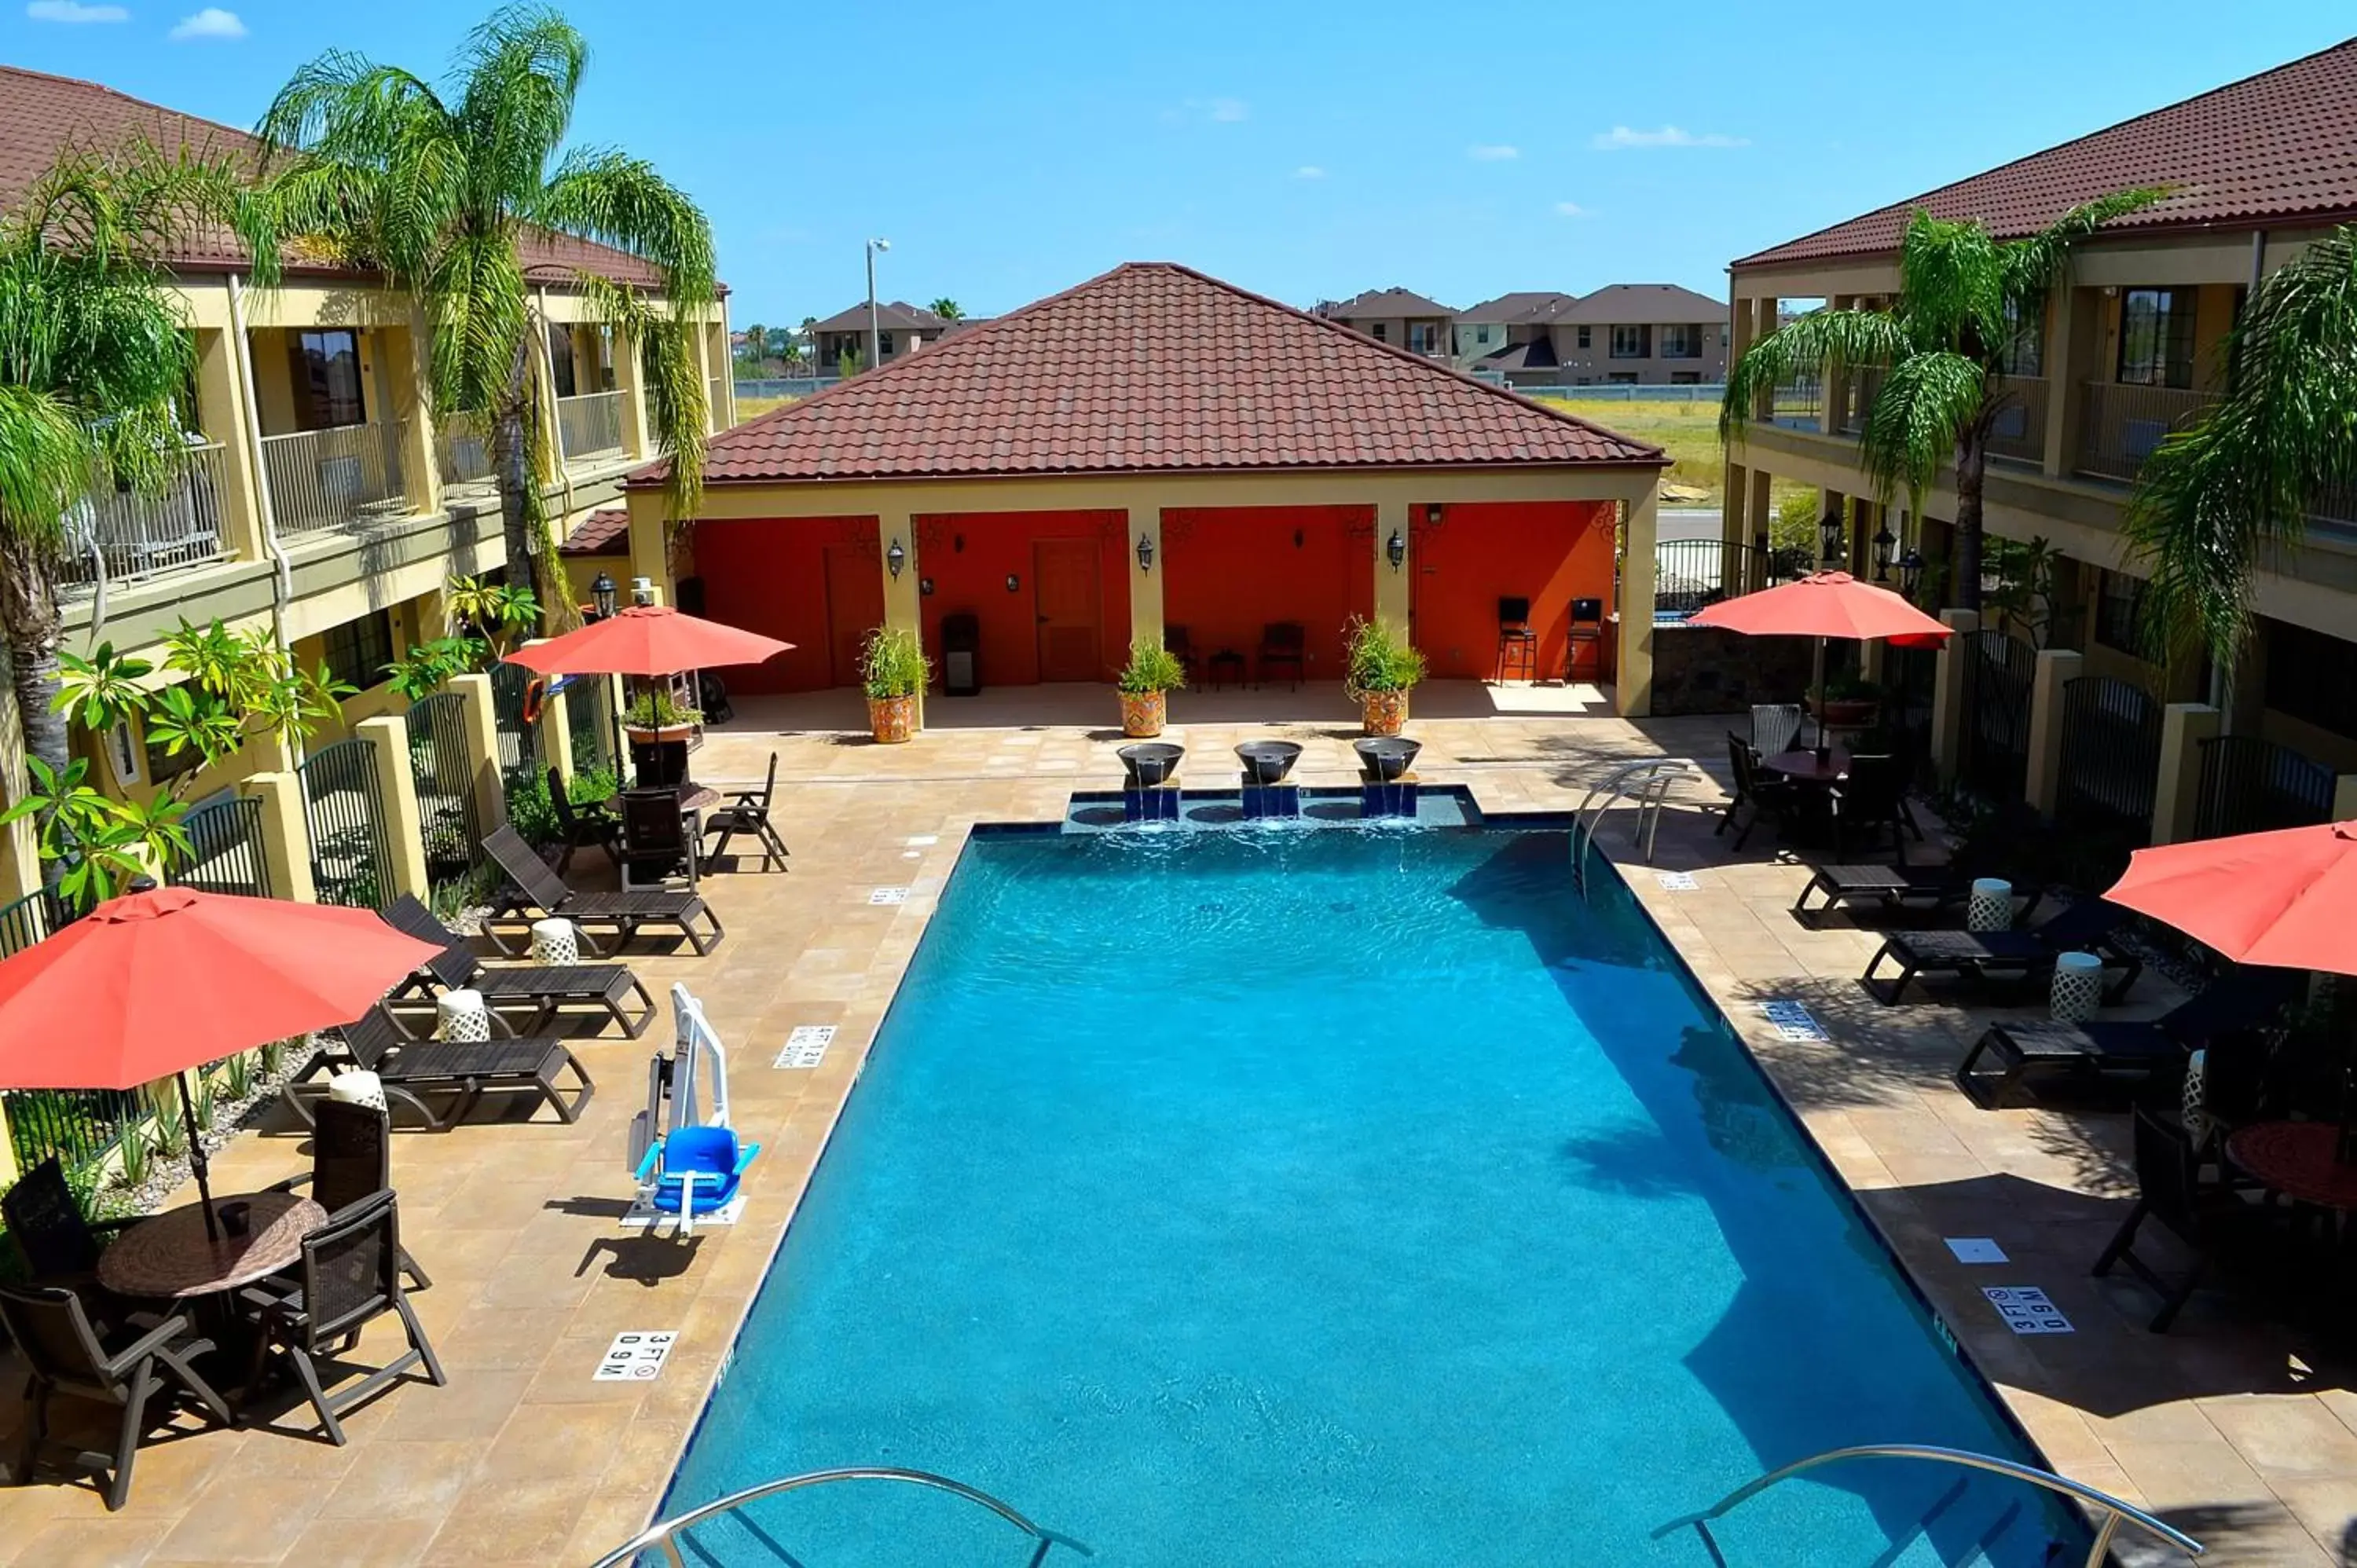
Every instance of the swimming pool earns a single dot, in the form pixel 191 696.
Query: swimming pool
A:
pixel 1328 1197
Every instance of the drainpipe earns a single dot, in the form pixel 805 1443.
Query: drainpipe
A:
pixel 283 581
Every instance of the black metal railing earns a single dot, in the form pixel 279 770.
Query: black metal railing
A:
pixel 443 775
pixel 27 920
pixel 2110 771
pixel 1998 669
pixel 1689 574
pixel 590 722
pixel 519 738
pixel 343 807
pixel 2250 786
pixel 225 849
pixel 80 1126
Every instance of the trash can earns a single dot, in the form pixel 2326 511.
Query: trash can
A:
pixel 960 655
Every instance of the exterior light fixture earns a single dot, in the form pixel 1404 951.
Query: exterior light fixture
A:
pixel 1432 515
pixel 642 590
pixel 1014 584
pixel 604 596
pixel 1885 543
pixel 1395 550
pixel 896 559
pixel 1911 573
pixel 1829 538
pixel 1145 553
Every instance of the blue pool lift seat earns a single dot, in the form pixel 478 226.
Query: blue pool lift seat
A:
pixel 695 1171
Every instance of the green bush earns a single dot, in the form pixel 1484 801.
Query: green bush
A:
pixel 532 815
pixel 1376 658
pixel 1151 668
pixel 892 665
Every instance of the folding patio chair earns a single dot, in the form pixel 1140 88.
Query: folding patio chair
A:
pixel 749 813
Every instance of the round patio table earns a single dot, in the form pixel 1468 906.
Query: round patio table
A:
pixel 2296 1158
pixel 170 1255
pixel 1805 766
pixel 692 797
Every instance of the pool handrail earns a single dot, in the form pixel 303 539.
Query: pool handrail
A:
pixel 1652 778
pixel 665 1533
pixel 2113 1508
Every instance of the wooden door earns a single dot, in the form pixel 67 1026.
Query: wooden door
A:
pixel 1064 589
pixel 855 607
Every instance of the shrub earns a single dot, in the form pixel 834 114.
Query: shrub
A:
pixel 1376 658
pixel 653 707
pixel 1151 668
pixel 892 665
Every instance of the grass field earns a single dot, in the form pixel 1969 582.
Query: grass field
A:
pixel 754 407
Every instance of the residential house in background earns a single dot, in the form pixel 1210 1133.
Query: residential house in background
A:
pixel 2129 350
pixel 1510 337
pixel 1399 316
pixel 900 329
pixel 1641 334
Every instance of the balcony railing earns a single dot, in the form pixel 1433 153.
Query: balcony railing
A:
pixel 326 480
pixel 1858 391
pixel 133 535
pixel 2120 427
pixel 589 426
pixel 2020 429
pixel 462 446
pixel 1796 404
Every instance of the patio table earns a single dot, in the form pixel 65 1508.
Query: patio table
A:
pixel 170 1255
pixel 692 798
pixel 2296 1158
pixel 1803 767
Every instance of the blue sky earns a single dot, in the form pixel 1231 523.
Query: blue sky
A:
pixel 1307 151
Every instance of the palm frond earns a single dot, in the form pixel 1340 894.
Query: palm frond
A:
pixel 1951 289
pixel 607 196
pixel 673 376
pixel 2034 265
pixel 46 462
pixel 1927 402
pixel 1825 343
pixel 523 68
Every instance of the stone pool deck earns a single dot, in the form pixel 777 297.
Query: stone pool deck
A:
pixel 2230 1427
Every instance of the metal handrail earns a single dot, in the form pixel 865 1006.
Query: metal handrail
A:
pixel 663 1533
pixel 2115 1509
pixel 1652 778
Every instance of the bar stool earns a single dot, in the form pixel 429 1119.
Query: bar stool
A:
pixel 1518 645
pixel 1586 632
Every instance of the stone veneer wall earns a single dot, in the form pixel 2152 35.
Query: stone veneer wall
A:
pixel 1701 670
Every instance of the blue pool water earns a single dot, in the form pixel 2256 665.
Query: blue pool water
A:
pixel 1328 1197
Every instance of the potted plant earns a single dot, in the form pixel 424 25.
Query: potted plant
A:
pixel 1152 671
pixel 892 670
pixel 655 715
pixel 1848 704
pixel 1379 669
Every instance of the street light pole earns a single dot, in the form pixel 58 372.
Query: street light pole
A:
pixel 874 336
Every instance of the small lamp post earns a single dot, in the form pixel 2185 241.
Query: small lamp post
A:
pixel 1395 550
pixel 1885 543
pixel 1911 573
pixel 604 596
pixel 1145 553
pixel 896 559
pixel 1829 539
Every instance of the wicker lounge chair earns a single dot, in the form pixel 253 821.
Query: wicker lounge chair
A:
pixel 411 1069
pixel 536 891
pixel 2242 1000
pixel 544 988
pixel 2014 958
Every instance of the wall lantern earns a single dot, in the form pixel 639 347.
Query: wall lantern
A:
pixel 925 586
pixel 1432 515
pixel 1145 553
pixel 1829 538
pixel 1885 543
pixel 1911 573
pixel 1395 550
pixel 896 559
pixel 604 596
pixel 1014 584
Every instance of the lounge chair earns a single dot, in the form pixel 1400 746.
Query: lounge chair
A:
pixel 537 891
pixel 349 1276
pixel 749 813
pixel 2220 1223
pixel 351 1158
pixel 2244 999
pixel 2016 957
pixel 695 1172
pixel 544 988
pixel 412 1069
pixel 68 1356
pixel 1895 887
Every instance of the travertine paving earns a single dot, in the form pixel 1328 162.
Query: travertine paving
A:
pixel 2234 1428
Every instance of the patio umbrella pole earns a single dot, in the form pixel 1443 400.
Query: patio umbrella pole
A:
pixel 1823 750
pixel 197 1158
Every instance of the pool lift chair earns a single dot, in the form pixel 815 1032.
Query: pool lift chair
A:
pixel 685 1155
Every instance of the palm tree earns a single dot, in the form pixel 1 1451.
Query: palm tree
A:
pixel 95 356
pixel 1940 349
pixel 2213 500
pixel 948 309
pixel 757 346
pixel 439 188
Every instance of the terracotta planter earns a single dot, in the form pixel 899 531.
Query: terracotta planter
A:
pixel 1846 713
pixel 892 720
pixel 1141 714
pixel 1383 713
pixel 652 735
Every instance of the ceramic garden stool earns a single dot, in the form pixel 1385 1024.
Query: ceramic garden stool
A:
pixel 556 941
pixel 460 1015
pixel 1991 909
pixel 2078 987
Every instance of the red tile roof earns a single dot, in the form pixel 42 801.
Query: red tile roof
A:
pixel 2278 146
pixel 42 115
pixel 605 531
pixel 1153 368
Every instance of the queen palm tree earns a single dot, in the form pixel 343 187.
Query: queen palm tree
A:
pixel 948 309
pixel 2211 502
pixel 95 354
pixel 439 188
pixel 1939 350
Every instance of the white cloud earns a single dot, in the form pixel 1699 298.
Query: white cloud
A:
pixel 212 22
pixel 1309 171
pixel 74 11
pixel 1228 111
pixel 1667 136
pixel 1493 153
pixel 1570 210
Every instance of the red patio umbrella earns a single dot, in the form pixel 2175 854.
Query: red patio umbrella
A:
pixel 1824 605
pixel 2287 898
pixel 647 639
pixel 168 978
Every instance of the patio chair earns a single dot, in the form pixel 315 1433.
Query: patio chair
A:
pixel 411 1068
pixel 1775 800
pixel 582 827
pixel 711 696
pixel 2008 958
pixel 1775 727
pixel 67 1355
pixel 655 841
pixel 695 1172
pixel 1871 797
pixel 352 1157
pixel 544 988
pixel 2243 1000
pixel 749 813
pixel 1179 645
pixel 1284 646
pixel 534 890
pixel 58 1242
pixel 1518 643
pixel 2221 1223
pixel 349 1276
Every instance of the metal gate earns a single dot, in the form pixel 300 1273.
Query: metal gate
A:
pixel 1998 669
pixel 589 717
pixel 225 849
pixel 2111 758
pixel 344 812
pixel 445 776
pixel 2250 786
pixel 519 739
pixel 1910 675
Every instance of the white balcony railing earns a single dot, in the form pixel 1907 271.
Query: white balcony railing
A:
pixel 324 479
pixel 2121 425
pixel 131 536
pixel 589 426
pixel 2019 431
pixel 462 447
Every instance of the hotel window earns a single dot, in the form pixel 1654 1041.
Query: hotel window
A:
pixel 560 362
pixel 883 344
pixel 1419 337
pixel 2023 352
pixel 359 651
pixel 1681 341
pixel 326 368
pixel 1583 339
pixel 1481 334
pixel 2119 605
pixel 2312 676
pixel 1379 332
pixel 2157 338
pixel 1621 379
pixel 1632 342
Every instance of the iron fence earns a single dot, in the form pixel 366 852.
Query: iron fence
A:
pixel 444 773
pixel 589 426
pixel 2111 758
pixel 2250 786
pixel 519 739
pixel 28 919
pixel 326 480
pixel 2120 425
pixel 343 808
pixel 589 720
pixel 1998 669
pixel 225 849
pixel 1689 574
pixel 1910 676
pixel 80 1126
pixel 128 535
